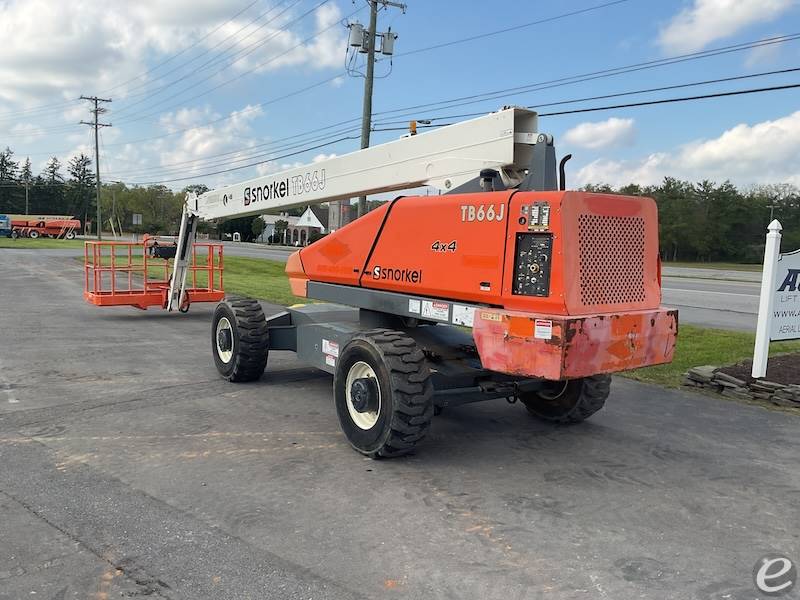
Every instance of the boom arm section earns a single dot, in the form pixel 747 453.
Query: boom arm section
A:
pixel 444 158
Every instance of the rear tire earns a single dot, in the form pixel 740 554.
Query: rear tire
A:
pixel 240 339
pixel 392 414
pixel 570 401
pixel 70 235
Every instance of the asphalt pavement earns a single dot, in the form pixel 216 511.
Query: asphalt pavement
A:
pixel 129 468
pixel 718 303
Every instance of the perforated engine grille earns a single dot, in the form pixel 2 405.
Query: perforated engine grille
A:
pixel 612 252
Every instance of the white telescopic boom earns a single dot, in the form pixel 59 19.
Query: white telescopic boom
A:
pixel 444 158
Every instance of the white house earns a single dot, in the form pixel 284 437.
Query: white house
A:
pixel 269 222
pixel 313 220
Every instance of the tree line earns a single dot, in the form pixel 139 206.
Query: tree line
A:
pixel 71 191
pixel 706 221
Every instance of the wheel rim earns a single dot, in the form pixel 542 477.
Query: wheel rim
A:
pixel 555 392
pixel 223 326
pixel 554 401
pixel 367 419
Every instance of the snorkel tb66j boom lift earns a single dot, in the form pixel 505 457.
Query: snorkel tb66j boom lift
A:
pixel 505 286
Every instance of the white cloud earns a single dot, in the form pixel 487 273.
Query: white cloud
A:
pixel 610 133
pixel 27 132
pixel 706 21
pixel 767 152
pixel 762 55
pixel 55 50
pixel 270 45
pixel 219 145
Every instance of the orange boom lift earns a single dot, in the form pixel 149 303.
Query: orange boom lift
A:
pixel 505 286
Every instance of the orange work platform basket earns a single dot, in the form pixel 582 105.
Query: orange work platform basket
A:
pixel 139 273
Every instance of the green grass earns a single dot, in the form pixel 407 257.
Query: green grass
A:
pixel 700 346
pixel 258 278
pixel 713 265
pixel 41 243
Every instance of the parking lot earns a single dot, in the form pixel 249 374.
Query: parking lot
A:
pixel 129 468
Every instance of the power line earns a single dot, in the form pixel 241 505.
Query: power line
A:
pixel 773 88
pixel 514 28
pixel 219 59
pixel 317 147
pixel 482 97
pixel 636 104
pixel 184 50
pixel 521 89
pixel 202 163
pixel 599 108
pixel 241 54
pixel 247 72
pixel 260 150
pixel 616 95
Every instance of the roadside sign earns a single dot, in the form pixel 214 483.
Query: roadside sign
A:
pixel 137 219
pixel 786 303
pixel 779 303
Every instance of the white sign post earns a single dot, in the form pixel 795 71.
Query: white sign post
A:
pixel 779 304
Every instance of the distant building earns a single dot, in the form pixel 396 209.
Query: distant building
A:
pixel 313 220
pixel 269 229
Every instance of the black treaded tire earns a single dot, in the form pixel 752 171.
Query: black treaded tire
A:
pixel 567 402
pixel 406 390
pixel 250 339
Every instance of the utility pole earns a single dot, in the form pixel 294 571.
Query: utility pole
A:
pixel 369 81
pixel 365 42
pixel 26 198
pixel 97 111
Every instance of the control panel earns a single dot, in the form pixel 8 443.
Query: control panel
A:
pixel 533 254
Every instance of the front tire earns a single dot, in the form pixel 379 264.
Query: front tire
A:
pixel 240 339
pixel 70 235
pixel 33 234
pixel 383 393
pixel 570 401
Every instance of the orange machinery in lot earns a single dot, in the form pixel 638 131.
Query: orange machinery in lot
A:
pixel 554 284
pixel 139 274
pixel 54 227
pixel 504 286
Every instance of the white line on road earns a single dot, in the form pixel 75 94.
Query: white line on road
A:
pixel 710 292
pixel 5 386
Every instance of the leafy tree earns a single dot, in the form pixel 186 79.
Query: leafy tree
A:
pixel 52 172
pixel 8 166
pixel 78 197
pixel 242 225
pixel 257 227
pixel 281 225
pixel 9 195
pixel 197 188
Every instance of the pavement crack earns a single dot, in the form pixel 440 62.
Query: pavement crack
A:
pixel 144 582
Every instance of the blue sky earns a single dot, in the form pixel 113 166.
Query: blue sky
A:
pixel 55 53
